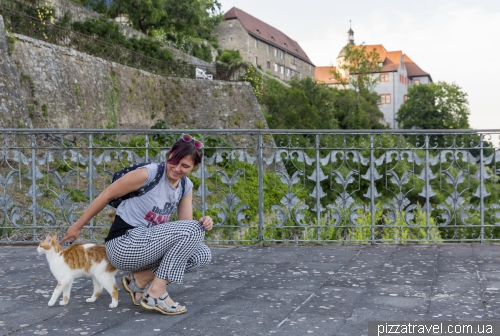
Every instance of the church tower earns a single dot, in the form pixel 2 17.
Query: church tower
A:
pixel 341 56
pixel 350 35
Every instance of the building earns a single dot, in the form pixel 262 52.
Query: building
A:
pixel 263 45
pixel 397 72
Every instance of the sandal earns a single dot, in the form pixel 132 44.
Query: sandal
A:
pixel 151 303
pixel 131 288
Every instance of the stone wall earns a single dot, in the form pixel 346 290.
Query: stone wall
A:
pixel 68 89
pixel 13 112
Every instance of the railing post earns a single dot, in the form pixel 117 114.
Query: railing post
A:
pixel 91 183
pixel 146 140
pixel 372 188
pixel 318 200
pixel 202 186
pixel 427 196
pixel 482 187
pixel 34 204
pixel 260 161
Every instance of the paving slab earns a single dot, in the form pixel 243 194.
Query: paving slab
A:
pixel 271 290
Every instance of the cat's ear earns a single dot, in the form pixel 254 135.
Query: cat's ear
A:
pixel 54 238
pixel 48 239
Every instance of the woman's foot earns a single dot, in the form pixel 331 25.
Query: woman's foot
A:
pixel 133 289
pixel 163 304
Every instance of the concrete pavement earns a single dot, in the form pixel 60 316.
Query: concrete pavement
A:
pixel 277 290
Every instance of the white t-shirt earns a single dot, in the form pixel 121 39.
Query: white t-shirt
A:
pixel 157 205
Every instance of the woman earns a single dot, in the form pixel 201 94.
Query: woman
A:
pixel 142 241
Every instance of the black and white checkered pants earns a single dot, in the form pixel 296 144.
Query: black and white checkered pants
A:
pixel 169 250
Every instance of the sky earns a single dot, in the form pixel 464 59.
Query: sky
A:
pixel 454 41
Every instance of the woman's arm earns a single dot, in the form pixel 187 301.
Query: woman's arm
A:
pixel 185 212
pixel 185 207
pixel 124 185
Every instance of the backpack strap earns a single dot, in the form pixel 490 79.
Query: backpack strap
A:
pixel 183 185
pixel 144 189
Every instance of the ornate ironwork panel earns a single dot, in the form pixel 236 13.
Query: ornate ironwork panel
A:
pixel 264 186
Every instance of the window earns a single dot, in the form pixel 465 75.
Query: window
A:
pixel 256 61
pixel 282 70
pixel 384 77
pixel 288 72
pixel 275 67
pixel 268 65
pixel 293 60
pixel 256 43
pixel 385 98
pixel 275 52
pixel 267 47
pixel 282 54
pixel 416 81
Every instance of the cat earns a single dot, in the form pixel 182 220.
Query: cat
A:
pixel 76 261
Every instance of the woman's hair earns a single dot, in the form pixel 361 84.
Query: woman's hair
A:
pixel 181 149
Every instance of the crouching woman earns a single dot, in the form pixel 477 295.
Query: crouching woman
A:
pixel 142 240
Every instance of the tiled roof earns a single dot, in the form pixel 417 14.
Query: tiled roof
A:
pixel 413 69
pixel 391 59
pixel 323 74
pixel 267 33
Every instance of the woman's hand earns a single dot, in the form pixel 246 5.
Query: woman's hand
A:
pixel 71 234
pixel 207 222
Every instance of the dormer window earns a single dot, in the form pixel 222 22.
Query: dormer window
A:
pixel 272 38
pixel 285 45
pixel 380 64
pixel 258 31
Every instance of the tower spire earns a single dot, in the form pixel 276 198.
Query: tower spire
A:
pixel 350 34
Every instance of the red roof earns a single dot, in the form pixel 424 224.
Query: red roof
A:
pixel 391 59
pixel 413 69
pixel 267 33
pixel 323 74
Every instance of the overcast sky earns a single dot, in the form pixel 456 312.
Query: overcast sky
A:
pixel 454 41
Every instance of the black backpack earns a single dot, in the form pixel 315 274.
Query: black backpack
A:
pixel 139 192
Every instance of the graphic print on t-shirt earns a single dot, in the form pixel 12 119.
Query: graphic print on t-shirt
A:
pixel 158 216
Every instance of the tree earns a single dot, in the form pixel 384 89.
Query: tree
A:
pixel 309 105
pixel 435 106
pixel 182 22
pixel 357 67
pixel 358 108
pixel 357 111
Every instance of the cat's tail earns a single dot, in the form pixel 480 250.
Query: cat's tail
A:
pixel 112 215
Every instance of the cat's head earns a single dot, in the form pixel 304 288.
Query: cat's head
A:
pixel 50 243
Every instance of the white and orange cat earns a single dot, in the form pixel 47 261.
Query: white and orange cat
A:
pixel 76 261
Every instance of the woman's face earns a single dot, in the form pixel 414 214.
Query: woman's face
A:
pixel 181 169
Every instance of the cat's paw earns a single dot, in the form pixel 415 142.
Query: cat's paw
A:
pixel 51 303
pixel 113 304
pixel 91 299
pixel 63 303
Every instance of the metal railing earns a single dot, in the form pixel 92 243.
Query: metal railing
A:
pixel 22 24
pixel 264 186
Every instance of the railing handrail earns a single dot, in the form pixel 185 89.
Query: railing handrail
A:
pixel 252 131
